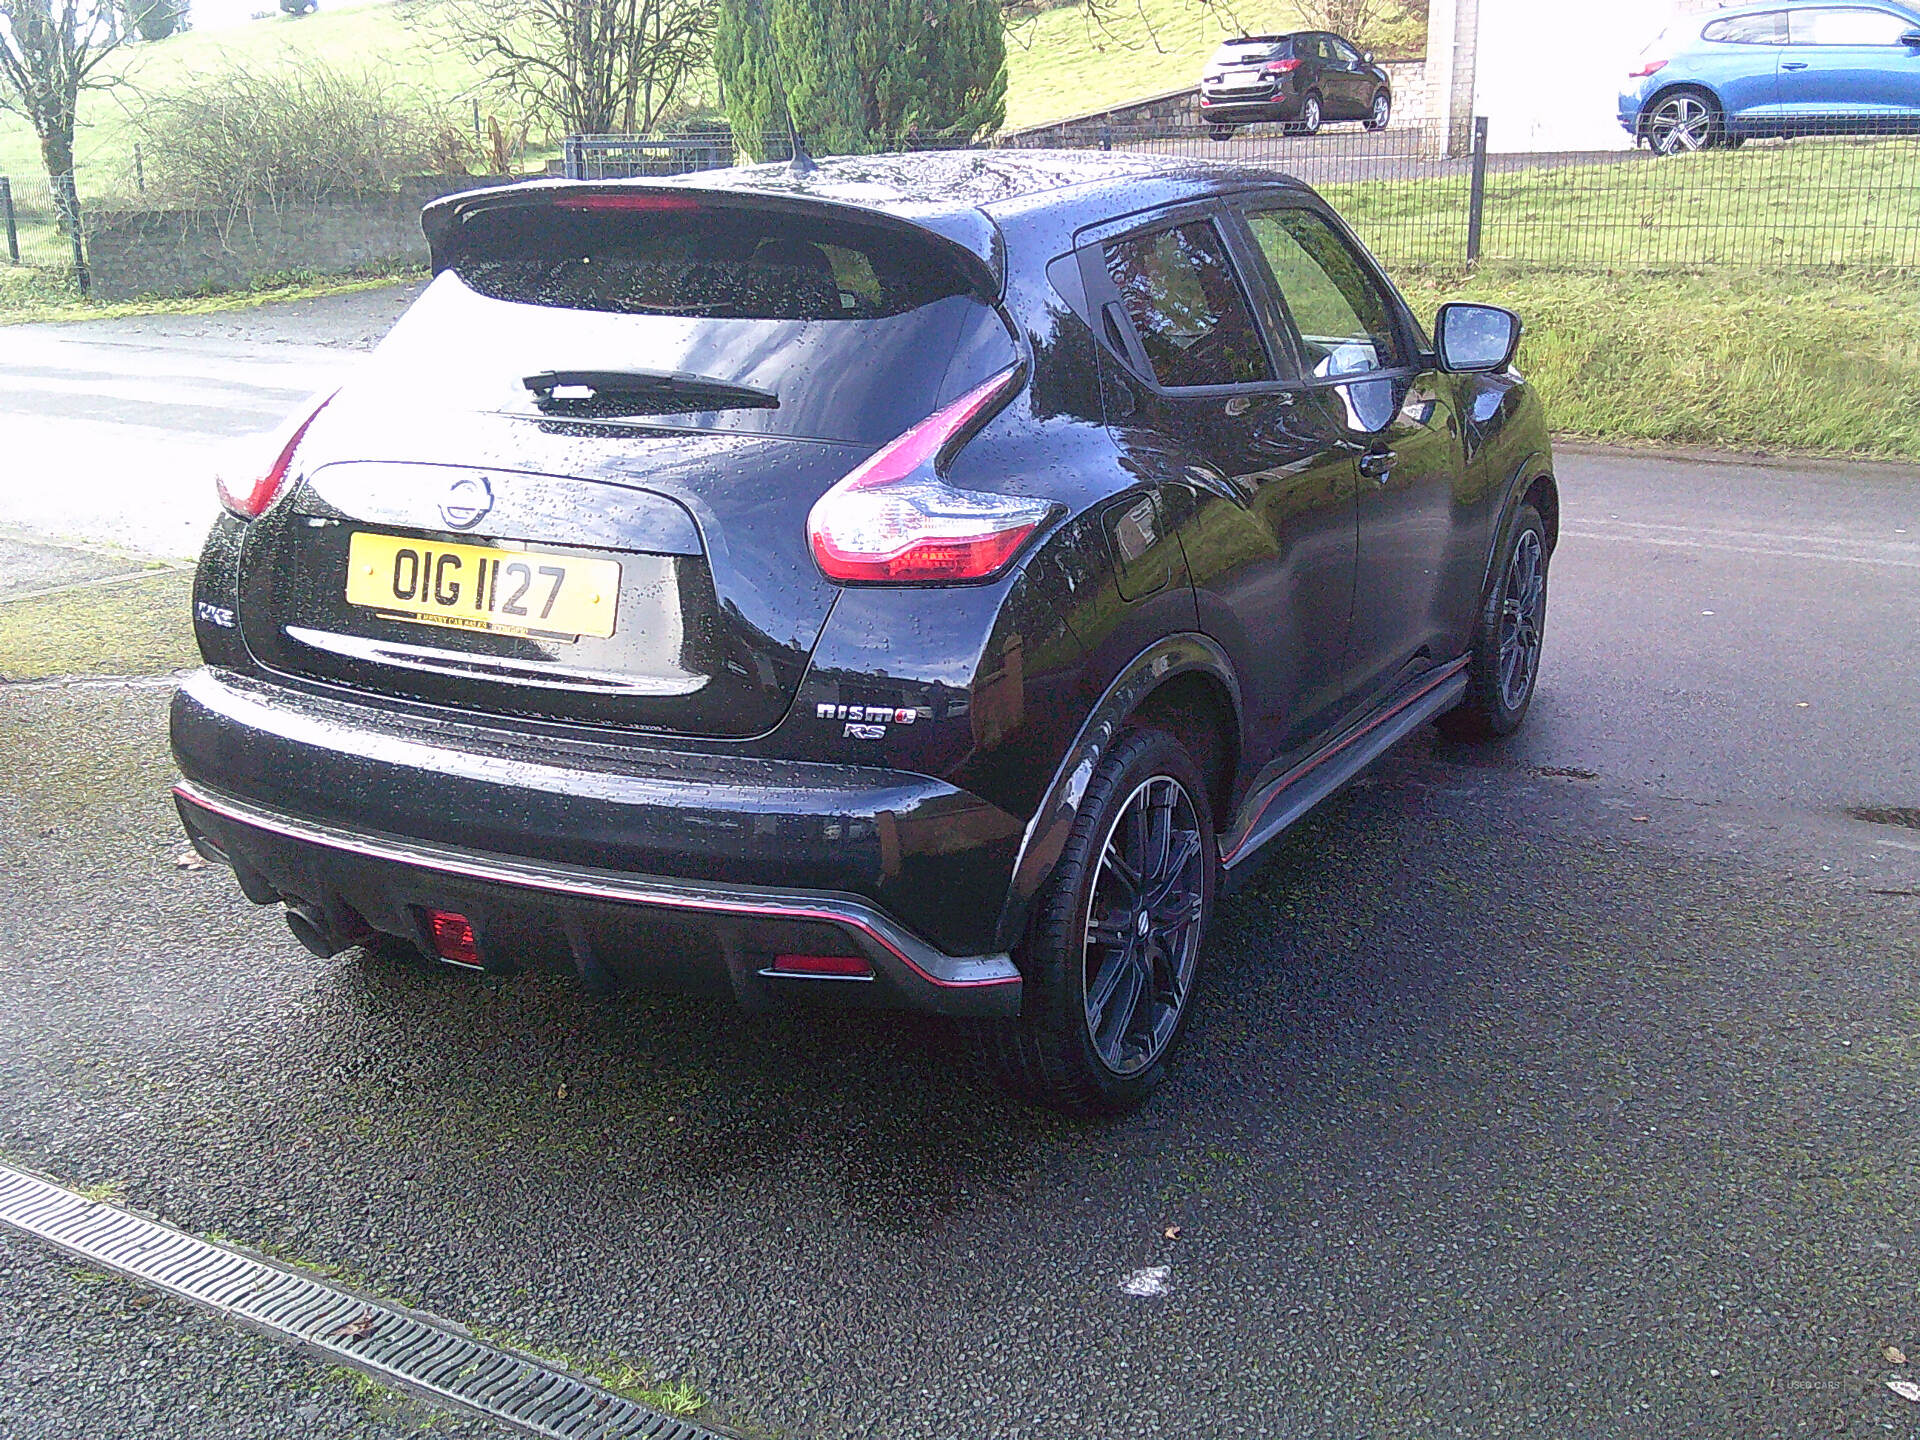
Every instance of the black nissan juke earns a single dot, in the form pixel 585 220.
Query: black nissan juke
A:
pixel 922 581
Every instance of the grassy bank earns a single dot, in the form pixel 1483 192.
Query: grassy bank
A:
pixel 1767 361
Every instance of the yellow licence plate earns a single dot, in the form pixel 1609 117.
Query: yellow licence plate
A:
pixel 477 587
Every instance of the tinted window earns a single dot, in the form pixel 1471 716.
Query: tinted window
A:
pixel 1767 29
pixel 1187 306
pixel 857 332
pixel 1847 27
pixel 1345 53
pixel 715 262
pixel 1344 321
pixel 1248 52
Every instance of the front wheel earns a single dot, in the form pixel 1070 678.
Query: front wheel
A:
pixel 1382 114
pixel 1504 663
pixel 1112 956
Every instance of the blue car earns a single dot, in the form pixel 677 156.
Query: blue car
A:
pixel 1723 77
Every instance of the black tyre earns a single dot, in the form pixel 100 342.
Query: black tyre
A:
pixel 1504 663
pixel 1381 114
pixel 1220 132
pixel 1112 955
pixel 1312 116
pixel 1683 121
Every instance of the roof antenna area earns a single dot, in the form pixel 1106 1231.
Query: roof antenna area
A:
pixel 799 161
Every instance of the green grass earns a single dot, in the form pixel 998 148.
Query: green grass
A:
pixel 1803 203
pixel 1779 362
pixel 134 627
pixel 35 294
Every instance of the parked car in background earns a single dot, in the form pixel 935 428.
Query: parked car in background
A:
pixel 1720 78
pixel 913 583
pixel 1302 80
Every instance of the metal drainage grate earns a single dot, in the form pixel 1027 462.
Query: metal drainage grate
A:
pixel 392 1344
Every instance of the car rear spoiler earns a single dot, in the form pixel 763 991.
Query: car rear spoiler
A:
pixel 967 237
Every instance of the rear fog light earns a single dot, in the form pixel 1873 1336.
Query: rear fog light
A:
pixel 453 938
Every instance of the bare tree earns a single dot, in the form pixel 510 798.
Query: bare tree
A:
pixel 51 51
pixel 583 66
pixel 1355 19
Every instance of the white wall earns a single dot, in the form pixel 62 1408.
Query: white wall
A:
pixel 1547 74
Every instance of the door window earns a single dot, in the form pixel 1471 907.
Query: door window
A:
pixel 1767 29
pixel 1847 27
pixel 1344 322
pixel 1345 53
pixel 1187 306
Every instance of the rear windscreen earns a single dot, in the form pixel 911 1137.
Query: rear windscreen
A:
pixel 1248 52
pixel 755 321
pixel 698 260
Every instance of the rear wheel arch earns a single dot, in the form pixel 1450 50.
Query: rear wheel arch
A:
pixel 1179 682
pixel 1685 87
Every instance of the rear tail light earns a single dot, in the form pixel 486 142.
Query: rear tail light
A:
pixel 1281 67
pixel 895 520
pixel 1652 67
pixel 256 469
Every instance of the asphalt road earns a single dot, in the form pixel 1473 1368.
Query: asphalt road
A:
pixel 1563 1087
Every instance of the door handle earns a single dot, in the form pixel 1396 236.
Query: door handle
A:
pixel 1793 64
pixel 1377 464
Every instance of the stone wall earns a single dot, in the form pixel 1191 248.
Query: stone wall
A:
pixel 1178 108
pixel 188 252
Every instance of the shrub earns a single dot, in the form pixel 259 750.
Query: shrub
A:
pixel 286 136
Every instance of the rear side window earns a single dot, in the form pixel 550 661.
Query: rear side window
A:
pixel 1767 29
pixel 1846 27
pixel 1344 322
pixel 1187 306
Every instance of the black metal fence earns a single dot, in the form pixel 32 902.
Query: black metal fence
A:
pixel 1843 192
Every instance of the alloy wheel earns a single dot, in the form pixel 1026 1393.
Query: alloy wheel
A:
pixel 1310 115
pixel 1680 124
pixel 1522 614
pixel 1143 925
pixel 1382 111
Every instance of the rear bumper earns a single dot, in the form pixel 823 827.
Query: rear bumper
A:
pixel 686 867
pixel 1247 112
pixel 611 926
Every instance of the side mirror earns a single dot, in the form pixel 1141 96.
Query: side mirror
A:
pixel 1911 38
pixel 1476 338
pixel 1367 55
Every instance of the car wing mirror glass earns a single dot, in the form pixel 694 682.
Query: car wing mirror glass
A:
pixel 1476 337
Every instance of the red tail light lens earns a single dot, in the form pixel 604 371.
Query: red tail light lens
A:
pixel 1281 67
pixel 642 201
pixel 252 476
pixel 453 937
pixel 895 520
pixel 839 967
pixel 1652 67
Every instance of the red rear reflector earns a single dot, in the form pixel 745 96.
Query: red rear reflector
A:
pixel 844 966
pixel 453 937
pixel 627 202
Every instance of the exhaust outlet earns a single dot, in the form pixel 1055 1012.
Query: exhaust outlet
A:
pixel 310 928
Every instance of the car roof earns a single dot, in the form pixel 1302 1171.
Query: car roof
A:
pixel 917 184
pixel 1764 7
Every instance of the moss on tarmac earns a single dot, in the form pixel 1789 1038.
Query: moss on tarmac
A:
pixel 134 627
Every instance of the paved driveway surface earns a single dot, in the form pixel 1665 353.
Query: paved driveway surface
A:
pixel 1557 1088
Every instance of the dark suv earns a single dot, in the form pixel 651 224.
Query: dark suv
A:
pixel 921 582
pixel 1303 80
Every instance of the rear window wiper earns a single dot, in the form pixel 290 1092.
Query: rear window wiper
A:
pixel 640 392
